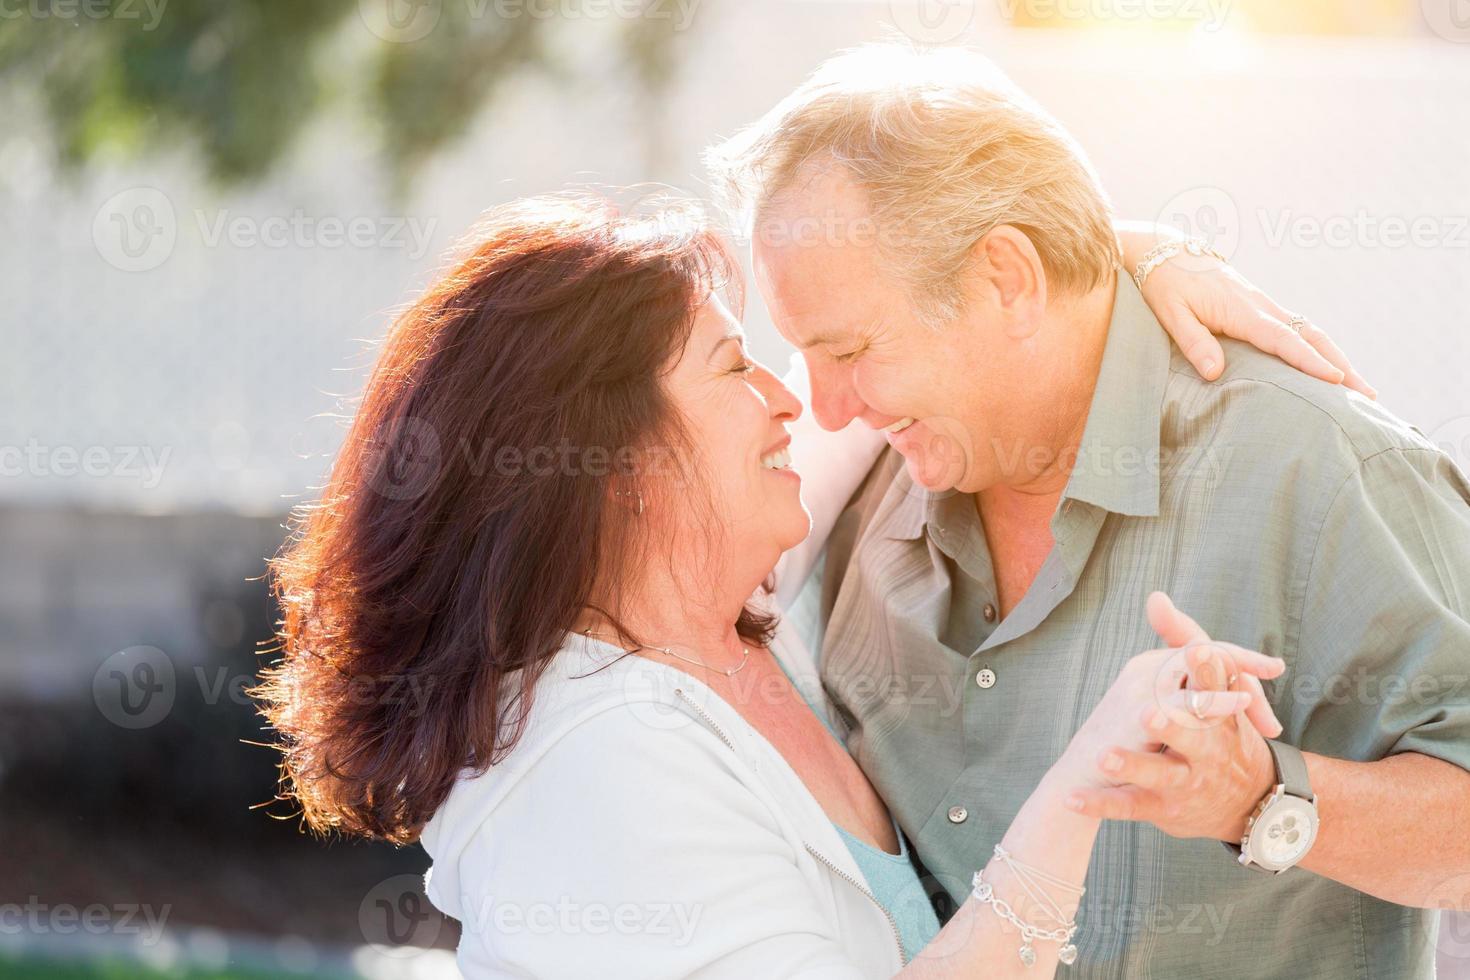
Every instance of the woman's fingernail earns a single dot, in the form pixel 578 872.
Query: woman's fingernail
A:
pixel 1074 803
pixel 1158 721
pixel 1207 365
pixel 1113 762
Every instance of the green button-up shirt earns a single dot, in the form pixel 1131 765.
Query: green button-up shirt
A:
pixel 1283 514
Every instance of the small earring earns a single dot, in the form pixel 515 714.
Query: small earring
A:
pixel 632 493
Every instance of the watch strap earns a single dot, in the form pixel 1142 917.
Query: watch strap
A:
pixel 1291 769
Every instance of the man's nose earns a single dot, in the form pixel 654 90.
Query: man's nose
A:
pixel 834 401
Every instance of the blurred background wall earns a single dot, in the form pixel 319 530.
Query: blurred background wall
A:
pixel 208 211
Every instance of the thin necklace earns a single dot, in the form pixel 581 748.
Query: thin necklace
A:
pixel 731 672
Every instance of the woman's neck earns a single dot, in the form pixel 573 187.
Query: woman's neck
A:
pixel 665 610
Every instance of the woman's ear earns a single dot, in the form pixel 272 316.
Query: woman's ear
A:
pixel 1015 279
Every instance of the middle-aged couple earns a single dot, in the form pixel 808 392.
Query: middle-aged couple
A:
pixel 692 715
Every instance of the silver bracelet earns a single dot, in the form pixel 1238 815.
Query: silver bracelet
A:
pixel 1029 879
pixel 1164 251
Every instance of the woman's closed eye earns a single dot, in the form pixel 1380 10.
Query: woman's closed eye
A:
pixel 849 356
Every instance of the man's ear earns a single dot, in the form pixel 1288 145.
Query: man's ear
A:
pixel 1014 277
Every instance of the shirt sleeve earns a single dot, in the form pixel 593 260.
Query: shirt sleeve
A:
pixel 1383 663
pixel 635 851
pixel 832 466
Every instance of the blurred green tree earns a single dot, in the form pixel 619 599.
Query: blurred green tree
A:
pixel 238 80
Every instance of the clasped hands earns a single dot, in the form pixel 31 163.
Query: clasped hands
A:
pixel 1179 740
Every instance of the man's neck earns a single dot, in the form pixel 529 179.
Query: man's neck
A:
pixel 1069 358
pixel 1016 512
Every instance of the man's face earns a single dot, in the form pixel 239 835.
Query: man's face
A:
pixel 941 392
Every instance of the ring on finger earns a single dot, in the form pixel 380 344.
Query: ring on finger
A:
pixel 1230 682
pixel 1296 323
pixel 1196 705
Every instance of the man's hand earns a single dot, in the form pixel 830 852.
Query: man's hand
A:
pixel 1194 778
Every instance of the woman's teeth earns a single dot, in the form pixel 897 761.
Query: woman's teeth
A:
pixel 778 460
pixel 900 425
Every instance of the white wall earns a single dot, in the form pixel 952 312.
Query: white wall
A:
pixel 217 359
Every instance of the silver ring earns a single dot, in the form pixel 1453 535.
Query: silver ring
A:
pixel 1231 681
pixel 1194 705
pixel 1296 323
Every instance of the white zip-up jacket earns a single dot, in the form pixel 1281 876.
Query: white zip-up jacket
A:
pixel 642 829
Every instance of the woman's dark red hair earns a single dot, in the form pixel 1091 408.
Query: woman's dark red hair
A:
pixel 424 594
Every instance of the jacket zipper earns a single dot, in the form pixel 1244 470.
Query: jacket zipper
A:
pixel 892 922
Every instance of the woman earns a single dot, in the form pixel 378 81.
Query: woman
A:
pixel 558 513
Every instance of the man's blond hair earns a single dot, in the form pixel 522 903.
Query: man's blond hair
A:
pixel 946 148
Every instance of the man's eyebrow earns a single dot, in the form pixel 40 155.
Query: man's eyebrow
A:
pixel 823 337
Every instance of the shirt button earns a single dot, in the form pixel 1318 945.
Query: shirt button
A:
pixel 958 814
pixel 989 613
pixel 986 678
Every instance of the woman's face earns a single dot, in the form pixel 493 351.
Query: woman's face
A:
pixel 736 412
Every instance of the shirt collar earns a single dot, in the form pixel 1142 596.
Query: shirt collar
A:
pixel 1118 463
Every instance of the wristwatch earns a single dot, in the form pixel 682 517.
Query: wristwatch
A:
pixel 1281 830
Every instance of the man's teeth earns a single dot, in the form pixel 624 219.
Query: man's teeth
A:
pixel 778 460
pixel 900 425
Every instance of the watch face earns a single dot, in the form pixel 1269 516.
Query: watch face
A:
pixel 1282 834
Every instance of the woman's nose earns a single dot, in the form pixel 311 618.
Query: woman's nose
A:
pixel 785 406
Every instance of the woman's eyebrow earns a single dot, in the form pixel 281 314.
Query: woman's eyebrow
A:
pixel 722 342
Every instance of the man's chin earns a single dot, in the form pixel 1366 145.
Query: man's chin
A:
pixel 930 475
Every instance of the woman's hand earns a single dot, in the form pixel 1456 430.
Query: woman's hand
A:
pixel 1150 696
pixel 1196 297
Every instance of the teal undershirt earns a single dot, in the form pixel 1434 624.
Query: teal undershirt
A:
pixel 892 878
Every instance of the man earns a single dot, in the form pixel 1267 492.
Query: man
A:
pixel 941 254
